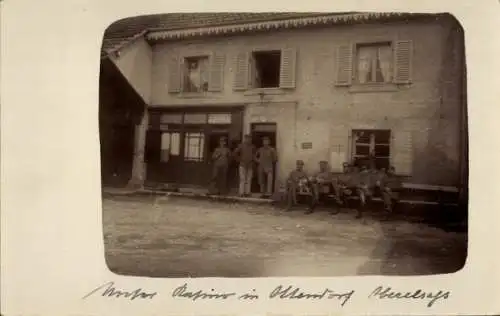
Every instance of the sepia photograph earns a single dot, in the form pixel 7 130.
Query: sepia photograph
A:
pixel 284 144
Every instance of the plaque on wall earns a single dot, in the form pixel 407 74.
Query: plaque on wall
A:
pixel 307 145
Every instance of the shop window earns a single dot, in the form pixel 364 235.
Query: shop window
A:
pixel 195 74
pixel 266 69
pixel 194 144
pixel 170 145
pixel 372 148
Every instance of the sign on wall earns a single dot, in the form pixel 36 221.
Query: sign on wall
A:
pixel 307 145
pixel 219 118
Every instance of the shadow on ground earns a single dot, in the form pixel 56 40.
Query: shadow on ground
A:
pixel 393 251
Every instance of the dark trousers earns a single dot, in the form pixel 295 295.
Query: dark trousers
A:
pixel 390 197
pixel 219 178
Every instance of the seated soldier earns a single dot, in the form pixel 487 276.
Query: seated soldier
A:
pixel 341 186
pixel 391 185
pixel 323 182
pixel 363 188
pixel 297 178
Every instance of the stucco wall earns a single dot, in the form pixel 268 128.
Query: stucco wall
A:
pixel 316 108
pixel 134 62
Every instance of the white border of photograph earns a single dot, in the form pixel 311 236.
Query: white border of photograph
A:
pixel 51 219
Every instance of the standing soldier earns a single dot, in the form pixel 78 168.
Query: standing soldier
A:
pixel 266 157
pixel 245 154
pixel 220 159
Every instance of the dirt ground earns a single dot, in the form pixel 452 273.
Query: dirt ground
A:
pixel 179 237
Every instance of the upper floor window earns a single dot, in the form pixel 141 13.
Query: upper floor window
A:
pixel 195 74
pixel 259 69
pixel 384 63
pixel 266 69
pixel 374 63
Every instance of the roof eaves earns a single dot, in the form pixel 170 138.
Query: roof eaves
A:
pixel 105 53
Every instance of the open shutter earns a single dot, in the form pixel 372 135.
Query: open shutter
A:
pixel 402 152
pixel 344 65
pixel 174 75
pixel 241 72
pixel 339 147
pixel 403 54
pixel 216 74
pixel 288 68
pixel 153 146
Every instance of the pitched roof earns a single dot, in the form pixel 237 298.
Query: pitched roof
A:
pixel 126 29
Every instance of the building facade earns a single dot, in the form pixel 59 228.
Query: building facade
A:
pixel 333 87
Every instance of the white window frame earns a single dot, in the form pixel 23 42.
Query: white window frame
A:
pixel 372 144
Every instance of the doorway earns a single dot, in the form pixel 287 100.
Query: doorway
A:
pixel 214 137
pixel 258 132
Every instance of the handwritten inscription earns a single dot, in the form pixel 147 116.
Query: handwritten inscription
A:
pixel 183 292
pixel 282 292
pixel 249 296
pixel 109 290
pixel 388 293
pixel 292 292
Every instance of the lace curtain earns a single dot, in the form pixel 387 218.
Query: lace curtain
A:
pixel 374 64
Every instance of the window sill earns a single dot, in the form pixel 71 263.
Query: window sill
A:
pixel 192 95
pixel 265 91
pixel 382 87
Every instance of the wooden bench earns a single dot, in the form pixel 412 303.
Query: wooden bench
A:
pixel 438 195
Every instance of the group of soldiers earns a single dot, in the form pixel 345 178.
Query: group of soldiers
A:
pixel 361 182
pixel 249 159
pixel 356 180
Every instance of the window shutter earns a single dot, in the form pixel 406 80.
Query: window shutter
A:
pixel 174 75
pixel 344 65
pixel 403 54
pixel 153 146
pixel 402 152
pixel 241 72
pixel 339 147
pixel 288 68
pixel 216 74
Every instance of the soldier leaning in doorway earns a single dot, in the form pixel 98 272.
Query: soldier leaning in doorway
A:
pixel 220 157
pixel 266 157
pixel 245 154
pixel 297 178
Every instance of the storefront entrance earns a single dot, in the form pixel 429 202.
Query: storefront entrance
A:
pixel 180 144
